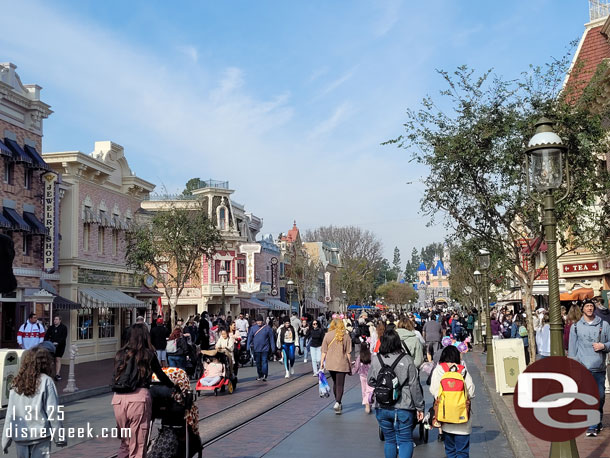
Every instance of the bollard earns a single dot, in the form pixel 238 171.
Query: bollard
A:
pixel 71 386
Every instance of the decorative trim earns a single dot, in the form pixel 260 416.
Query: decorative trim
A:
pixel 37 273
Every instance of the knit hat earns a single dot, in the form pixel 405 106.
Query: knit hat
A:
pixel 48 346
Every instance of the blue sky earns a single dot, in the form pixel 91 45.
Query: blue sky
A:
pixel 289 101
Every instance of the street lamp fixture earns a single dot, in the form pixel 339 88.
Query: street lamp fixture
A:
pixel 477 280
pixel 290 289
pixel 544 158
pixel 223 277
pixel 484 263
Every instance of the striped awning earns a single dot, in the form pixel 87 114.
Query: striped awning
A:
pixel 276 304
pixel 102 297
pixel 253 303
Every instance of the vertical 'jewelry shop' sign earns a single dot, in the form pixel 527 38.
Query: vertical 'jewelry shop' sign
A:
pixel 250 249
pixel 50 206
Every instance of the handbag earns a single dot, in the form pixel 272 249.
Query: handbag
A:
pixel 172 346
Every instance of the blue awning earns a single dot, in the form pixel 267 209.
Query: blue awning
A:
pixel 35 225
pixel 16 220
pixel 37 160
pixel 18 154
pixel 5 151
pixel 5 223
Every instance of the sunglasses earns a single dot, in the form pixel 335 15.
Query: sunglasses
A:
pixel 314 324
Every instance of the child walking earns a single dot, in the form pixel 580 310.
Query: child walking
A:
pixel 33 407
pixel 361 367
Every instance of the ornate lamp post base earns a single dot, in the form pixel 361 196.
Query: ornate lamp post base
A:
pixel 564 449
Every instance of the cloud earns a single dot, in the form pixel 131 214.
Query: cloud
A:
pixel 388 16
pixel 330 87
pixel 190 51
pixel 328 125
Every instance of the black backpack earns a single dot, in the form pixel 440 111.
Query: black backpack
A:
pixel 128 381
pixel 387 387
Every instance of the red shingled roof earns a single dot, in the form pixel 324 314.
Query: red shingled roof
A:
pixel 594 49
pixel 292 234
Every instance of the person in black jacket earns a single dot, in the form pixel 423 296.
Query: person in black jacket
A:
pixel 134 365
pixel 316 336
pixel 57 334
pixel 8 282
pixel 158 336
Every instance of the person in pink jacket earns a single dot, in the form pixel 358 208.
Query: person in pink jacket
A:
pixel 361 367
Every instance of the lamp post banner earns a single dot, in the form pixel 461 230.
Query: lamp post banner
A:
pixel 327 286
pixel 250 249
pixel 274 263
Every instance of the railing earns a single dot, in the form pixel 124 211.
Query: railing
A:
pixel 213 184
pixel 598 9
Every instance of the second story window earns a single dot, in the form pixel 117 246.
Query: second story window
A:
pixel 9 171
pixel 27 245
pixel 86 236
pixel 28 177
pixel 115 242
pixel 100 239
pixel 222 219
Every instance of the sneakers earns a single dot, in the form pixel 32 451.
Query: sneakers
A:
pixel 337 408
pixel 592 433
pixel 258 379
pixel 292 370
pixel 600 428
pixel 264 379
pixel 315 374
pixel 287 374
pixel 57 377
pixel 305 360
pixel 367 408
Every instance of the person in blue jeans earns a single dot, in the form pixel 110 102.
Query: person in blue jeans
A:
pixel 396 421
pixel 260 341
pixel 286 340
pixel 178 357
pixel 589 343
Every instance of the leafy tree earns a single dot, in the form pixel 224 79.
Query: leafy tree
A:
pixel 384 274
pixel 171 247
pixel 361 258
pixel 412 266
pixel 475 153
pixel 190 186
pixel 396 293
pixel 305 273
pixel 396 263
pixel 429 252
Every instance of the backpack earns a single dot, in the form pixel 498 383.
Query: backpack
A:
pixel 387 387
pixel 506 332
pixel 171 346
pixel 127 382
pixel 452 404
pixel 523 331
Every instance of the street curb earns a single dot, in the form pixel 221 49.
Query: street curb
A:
pixel 73 397
pixel 512 431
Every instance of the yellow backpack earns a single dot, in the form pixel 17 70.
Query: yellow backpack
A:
pixel 452 404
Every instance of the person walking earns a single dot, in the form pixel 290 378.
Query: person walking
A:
pixel 286 340
pixel 57 334
pixel 396 421
pixel 316 336
pixel 589 343
pixel 470 325
pixel 303 339
pixel 33 407
pixel 336 351
pixel 260 340
pixel 30 333
pixel 574 315
pixel 158 337
pixel 177 349
pixel 433 333
pixel 543 337
pixel 361 367
pixel 409 340
pixel 134 365
pixel 456 435
pixel 295 322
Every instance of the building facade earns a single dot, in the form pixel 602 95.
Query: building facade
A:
pixel 101 198
pixel 433 284
pixel 29 196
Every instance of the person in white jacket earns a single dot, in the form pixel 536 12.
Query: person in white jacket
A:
pixel 31 333
pixel 457 435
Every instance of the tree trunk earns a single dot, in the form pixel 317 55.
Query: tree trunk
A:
pixel 531 332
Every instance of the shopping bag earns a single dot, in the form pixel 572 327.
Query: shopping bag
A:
pixel 323 386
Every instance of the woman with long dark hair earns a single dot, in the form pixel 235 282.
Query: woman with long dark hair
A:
pixel 177 357
pixel 134 365
pixel 397 421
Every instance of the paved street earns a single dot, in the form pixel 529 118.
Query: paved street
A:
pixel 286 418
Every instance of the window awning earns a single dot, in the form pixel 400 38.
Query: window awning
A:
pixel 276 304
pixel 35 225
pixel 4 222
pixel 5 151
pixel 89 217
pixel 37 160
pixel 314 304
pixel 253 303
pixel 579 294
pixel 18 154
pixel 17 222
pixel 61 303
pixel 102 297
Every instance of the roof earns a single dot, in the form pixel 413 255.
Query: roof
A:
pixel 293 234
pixel 594 48
pixel 422 266
pixel 438 269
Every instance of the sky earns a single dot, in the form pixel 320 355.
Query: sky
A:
pixel 289 101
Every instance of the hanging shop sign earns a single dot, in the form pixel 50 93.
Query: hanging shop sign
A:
pixel 274 263
pixel 50 221
pixel 327 297
pixel 250 249
pixel 581 267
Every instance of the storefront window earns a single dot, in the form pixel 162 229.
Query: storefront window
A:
pixel 84 324
pixel 106 320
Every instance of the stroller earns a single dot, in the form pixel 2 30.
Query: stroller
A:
pixel 179 433
pixel 228 382
pixel 243 354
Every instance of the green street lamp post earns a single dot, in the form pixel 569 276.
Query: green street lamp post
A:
pixel 484 263
pixel 290 289
pixel 477 280
pixel 544 172
pixel 223 276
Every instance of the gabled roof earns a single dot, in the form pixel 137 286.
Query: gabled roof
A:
pixel 293 234
pixel 439 268
pixel 422 266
